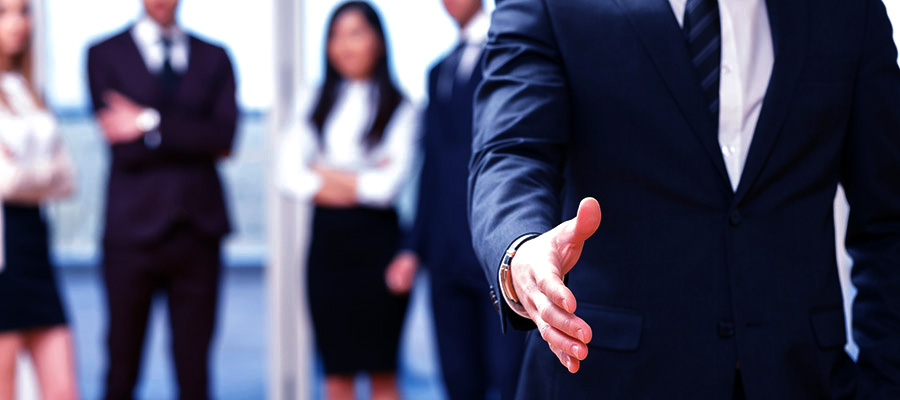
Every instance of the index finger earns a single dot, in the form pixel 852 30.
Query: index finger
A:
pixel 551 285
pixel 567 323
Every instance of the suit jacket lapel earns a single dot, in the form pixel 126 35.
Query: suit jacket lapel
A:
pixel 193 59
pixel 789 34
pixel 664 41
pixel 134 64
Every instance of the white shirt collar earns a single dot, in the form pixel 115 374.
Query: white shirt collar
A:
pixel 148 32
pixel 476 31
pixel 147 35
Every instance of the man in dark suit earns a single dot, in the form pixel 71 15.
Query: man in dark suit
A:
pixel 165 101
pixel 475 356
pixel 714 134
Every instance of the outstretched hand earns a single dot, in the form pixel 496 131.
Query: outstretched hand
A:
pixel 537 275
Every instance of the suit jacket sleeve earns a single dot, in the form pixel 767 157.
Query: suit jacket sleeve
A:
pixel 209 135
pixel 100 80
pixel 521 135
pixel 871 178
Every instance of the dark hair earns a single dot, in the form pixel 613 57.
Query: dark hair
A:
pixel 389 96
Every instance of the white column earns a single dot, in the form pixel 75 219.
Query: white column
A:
pixel 26 379
pixel 290 348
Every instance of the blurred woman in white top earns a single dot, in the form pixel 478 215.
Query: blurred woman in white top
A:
pixel 34 169
pixel 349 152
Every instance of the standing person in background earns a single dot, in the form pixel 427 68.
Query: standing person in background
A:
pixel 474 353
pixel 34 168
pixel 165 101
pixel 349 152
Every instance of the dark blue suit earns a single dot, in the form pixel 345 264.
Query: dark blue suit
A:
pixel 685 277
pixel 474 354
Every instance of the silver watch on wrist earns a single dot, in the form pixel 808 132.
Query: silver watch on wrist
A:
pixel 507 289
pixel 148 122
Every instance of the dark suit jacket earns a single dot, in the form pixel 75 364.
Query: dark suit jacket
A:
pixel 152 189
pixel 685 278
pixel 441 235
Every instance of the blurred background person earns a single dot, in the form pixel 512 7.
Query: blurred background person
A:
pixel 350 151
pixel 474 354
pixel 34 169
pixel 165 101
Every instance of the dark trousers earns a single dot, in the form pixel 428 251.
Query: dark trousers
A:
pixel 475 355
pixel 185 266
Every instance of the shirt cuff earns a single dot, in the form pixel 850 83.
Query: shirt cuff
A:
pixel 373 190
pixel 302 186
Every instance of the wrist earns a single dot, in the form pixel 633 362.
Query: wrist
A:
pixel 147 120
pixel 148 123
pixel 505 280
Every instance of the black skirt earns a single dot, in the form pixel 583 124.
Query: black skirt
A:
pixel 357 321
pixel 28 294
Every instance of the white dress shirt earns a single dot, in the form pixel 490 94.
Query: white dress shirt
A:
pixel 148 35
pixel 473 36
pixel 38 168
pixel 747 61
pixel 381 172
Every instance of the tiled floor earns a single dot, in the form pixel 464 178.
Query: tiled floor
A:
pixel 239 363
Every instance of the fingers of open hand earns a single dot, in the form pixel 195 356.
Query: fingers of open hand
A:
pixel 563 320
pixel 560 328
pixel 551 305
pixel 550 284
pixel 567 361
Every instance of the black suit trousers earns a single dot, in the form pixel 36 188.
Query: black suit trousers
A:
pixel 186 266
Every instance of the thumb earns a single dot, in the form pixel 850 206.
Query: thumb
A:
pixel 576 230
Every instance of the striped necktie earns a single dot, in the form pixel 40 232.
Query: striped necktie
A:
pixel 702 30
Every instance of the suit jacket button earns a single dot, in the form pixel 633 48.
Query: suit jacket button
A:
pixel 726 329
pixel 735 218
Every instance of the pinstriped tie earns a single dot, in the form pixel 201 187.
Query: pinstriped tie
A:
pixel 702 30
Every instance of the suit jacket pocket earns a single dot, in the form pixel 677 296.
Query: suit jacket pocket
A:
pixel 613 328
pixel 828 327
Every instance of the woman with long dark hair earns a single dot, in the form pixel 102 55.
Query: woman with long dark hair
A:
pixel 34 168
pixel 349 152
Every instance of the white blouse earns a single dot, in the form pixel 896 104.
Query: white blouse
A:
pixel 34 166
pixel 381 172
